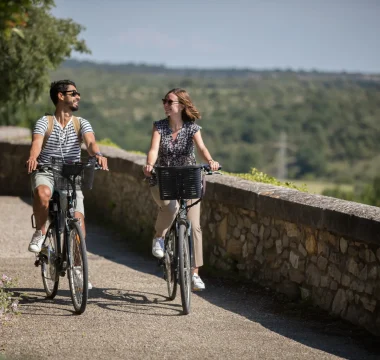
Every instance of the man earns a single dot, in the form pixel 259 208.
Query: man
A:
pixel 64 142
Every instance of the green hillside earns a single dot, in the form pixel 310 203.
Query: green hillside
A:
pixel 320 125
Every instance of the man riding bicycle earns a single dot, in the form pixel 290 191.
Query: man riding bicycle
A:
pixel 59 136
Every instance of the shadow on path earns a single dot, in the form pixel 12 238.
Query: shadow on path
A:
pixel 121 300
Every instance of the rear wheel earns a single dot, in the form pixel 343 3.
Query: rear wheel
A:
pixel 78 271
pixel 49 262
pixel 170 263
pixel 184 268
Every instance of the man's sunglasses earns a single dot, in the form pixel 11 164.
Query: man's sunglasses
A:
pixel 169 102
pixel 73 93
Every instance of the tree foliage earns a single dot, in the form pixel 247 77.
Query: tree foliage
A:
pixel 26 61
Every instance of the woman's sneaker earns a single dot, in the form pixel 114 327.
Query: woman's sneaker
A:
pixel 78 278
pixel 36 242
pixel 158 247
pixel 197 283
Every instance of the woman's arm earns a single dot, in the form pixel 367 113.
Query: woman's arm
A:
pixel 153 152
pixel 204 152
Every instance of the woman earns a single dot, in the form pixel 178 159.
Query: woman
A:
pixel 172 144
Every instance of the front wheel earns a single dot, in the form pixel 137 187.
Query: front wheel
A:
pixel 170 269
pixel 78 270
pixel 49 263
pixel 184 268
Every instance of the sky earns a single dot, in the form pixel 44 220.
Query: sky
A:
pixel 325 35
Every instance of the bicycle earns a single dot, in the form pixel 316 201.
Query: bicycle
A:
pixel 64 247
pixel 180 183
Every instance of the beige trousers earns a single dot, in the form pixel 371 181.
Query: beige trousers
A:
pixel 167 213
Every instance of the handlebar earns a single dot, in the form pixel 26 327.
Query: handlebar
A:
pixel 50 166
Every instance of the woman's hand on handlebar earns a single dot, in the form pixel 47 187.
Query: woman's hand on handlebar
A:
pixel 31 164
pixel 214 165
pixel 147 169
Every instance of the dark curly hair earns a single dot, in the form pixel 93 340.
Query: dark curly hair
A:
pixel 57 87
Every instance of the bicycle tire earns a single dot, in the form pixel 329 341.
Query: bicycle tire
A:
pixel 170 260
pixel 184 268
pixel 48 257
pixel 78 268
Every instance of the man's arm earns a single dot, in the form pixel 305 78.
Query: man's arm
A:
pixel 35 150
pixel 93 149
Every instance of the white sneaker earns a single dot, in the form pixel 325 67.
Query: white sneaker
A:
pixel 158 247
pixel 197 283
pixel 36 242
pixel 78 277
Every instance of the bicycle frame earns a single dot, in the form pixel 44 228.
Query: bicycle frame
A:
pixel 64 257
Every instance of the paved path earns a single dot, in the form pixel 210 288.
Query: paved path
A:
pixel 128 316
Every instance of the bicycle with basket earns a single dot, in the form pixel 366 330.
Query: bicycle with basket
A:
pixel 181 183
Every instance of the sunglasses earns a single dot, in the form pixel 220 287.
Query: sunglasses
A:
pixel 73 93
pixel 169 102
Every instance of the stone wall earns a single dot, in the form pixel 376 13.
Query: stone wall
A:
pixel 307 246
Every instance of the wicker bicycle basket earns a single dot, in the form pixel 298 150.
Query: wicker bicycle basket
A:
pixel 179 182
pixel 62 172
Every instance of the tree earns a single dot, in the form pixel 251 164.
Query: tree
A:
pixel 27 60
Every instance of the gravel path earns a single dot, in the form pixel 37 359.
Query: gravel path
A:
pixel 129 317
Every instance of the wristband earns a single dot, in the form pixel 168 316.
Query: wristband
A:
pixel 149 164
pixel 98 153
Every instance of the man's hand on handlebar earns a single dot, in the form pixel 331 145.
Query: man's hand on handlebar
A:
pixel 102 161
pixel 31 164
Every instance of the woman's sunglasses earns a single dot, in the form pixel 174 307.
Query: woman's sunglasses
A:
pixel 169 102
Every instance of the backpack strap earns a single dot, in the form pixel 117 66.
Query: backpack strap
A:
pixel 49 129
pixel 76 124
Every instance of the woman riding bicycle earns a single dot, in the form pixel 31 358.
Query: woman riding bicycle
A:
pixel 172 144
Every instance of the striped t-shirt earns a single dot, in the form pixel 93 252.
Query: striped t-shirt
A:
pixel 62 142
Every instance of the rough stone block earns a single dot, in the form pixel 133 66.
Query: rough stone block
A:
pixel 293 259
pixel 353 267
pixel 296 276
pixel 313 276
pixel 339 304
pixel 322 263
pixel 346 280
pixel 279 246
pixel 368 304
pixel 311 244
pixel 302 250
pixel 343 244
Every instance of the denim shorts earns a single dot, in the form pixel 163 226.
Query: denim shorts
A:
pixel 46 178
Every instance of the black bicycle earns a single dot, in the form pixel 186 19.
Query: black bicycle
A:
pixel 180 183
pixel 64 247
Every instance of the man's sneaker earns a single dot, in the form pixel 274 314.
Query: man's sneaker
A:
pixel 197 283
pixel 158 247
pixel 78 280
pixel 36 242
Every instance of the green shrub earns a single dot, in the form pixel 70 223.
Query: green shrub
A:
pixel 108 142
pixel 258 176
pixel 8 301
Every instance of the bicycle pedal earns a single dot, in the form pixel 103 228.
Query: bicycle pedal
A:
pixel 62 273
pixel 37 263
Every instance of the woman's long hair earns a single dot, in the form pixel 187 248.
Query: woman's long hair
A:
pixel 190 112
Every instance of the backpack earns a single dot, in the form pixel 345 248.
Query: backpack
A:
pixel 50 127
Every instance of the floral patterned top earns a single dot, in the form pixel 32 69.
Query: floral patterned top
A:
pixel 178 152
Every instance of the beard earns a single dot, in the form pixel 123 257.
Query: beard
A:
pixel 74 108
